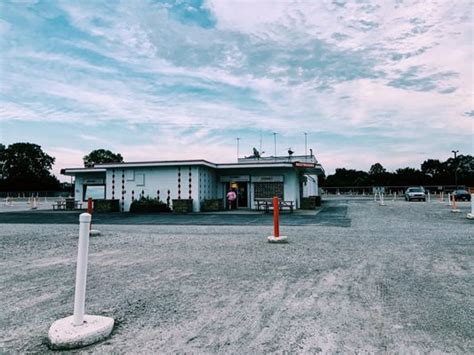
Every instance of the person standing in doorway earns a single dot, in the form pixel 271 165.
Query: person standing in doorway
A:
pixel 231 197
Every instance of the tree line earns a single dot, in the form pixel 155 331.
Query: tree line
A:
pixel 454 171
pixel 26 167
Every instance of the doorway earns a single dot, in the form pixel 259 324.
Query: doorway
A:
pixel 241 188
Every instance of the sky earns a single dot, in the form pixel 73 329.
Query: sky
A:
pixel 369 81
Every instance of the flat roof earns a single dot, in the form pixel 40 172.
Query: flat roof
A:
pixel 200 162
pixel 157 163
pixel 72 171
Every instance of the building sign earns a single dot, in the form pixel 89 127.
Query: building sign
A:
pixel 298 164
pixel 94 182
pixel 267 178
pixel 235 178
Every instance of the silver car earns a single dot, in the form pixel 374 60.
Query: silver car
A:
pixel 415 193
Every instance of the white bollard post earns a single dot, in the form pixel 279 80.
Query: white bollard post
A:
pixel 80 329
pixel 429 197
pixel 449 200
pixel 81 270
pixel 471 215
pixel 381 199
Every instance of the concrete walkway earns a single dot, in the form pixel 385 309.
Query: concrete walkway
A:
pixel 331 214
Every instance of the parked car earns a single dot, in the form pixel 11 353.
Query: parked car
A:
pixel 462 195
pixel 415 193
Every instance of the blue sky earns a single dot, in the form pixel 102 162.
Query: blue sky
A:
pixel 369 81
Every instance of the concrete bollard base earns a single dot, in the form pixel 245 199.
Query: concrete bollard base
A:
pixel 455 210
pixel 63 334
pixel 281 239
pixel 94 233
pixel 470 215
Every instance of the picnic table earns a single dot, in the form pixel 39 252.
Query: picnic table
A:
pixel 267 203
pixel 67 204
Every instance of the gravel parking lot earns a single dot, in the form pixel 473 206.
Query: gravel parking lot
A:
pixel 396 278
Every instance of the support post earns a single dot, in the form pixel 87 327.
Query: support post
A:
pixel 454 208
pixel 81 269
pixel 471 215
pixel 90 209
pixel 276 217
pixel 276 238
pixel 89 205
pixel 80 329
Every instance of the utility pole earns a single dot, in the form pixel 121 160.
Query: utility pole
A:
pixel 275 143
pixel 305 144
pixel 455 152
pixel 238 148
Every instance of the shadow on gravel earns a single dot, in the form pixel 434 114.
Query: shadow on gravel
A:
pixel 330 215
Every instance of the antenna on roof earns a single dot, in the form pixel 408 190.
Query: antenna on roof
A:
pixel 290 152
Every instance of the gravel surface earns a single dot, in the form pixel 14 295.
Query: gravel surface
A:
pixel 397 278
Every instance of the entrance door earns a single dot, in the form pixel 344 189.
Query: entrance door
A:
pixel 242 198
pixel 241 188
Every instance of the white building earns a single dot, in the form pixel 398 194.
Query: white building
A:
pixel 290 178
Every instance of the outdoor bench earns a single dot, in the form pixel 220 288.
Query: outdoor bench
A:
pixel 267 203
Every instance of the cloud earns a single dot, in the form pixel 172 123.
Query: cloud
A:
pixel 207 71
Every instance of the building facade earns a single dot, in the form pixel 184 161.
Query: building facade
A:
pixel 289 178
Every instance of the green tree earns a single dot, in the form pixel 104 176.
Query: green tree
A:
pixel 377 169
pixel 378 175
pixel 26 167
pixel 347 177
pixel 101 156
pixel 2 160
pixel 410 176
pixel 460 170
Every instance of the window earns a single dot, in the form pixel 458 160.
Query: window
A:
pixel 268 189
pixel 96 192
pixel 140 179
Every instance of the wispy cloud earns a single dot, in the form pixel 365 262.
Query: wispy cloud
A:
pixel 197 74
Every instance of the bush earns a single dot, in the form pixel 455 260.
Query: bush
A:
pixel 310 203
pixel 183 206
pixel 212 205
pixel 148 205
pixel 106 206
